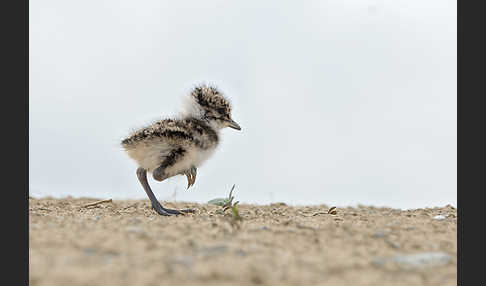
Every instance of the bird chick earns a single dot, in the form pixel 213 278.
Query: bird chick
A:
pixel 171 147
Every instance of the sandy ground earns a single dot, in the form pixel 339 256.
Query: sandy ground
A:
pixel 126 243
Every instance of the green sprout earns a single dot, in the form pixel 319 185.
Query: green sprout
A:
pixel 227 203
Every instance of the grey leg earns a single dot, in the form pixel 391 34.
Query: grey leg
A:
pixel 142 177
pixel 159 175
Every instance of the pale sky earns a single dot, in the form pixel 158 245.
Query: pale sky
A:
pixel 341 102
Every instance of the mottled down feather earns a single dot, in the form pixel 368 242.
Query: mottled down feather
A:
pixel 191 140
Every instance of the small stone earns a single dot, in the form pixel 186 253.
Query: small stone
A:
pixel 185 261
pixel 392 224
pixel 241 252
pixel 134 220
pixel 422 260
pixel 379 261
pixel 89 251
pixel 136 230
pixel 439 217
pixel 392 244
pixel 379 234
pixel 213 251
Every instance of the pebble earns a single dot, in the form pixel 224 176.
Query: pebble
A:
pixel 379 234
pixel 241 252
pixel 425 259
pixel 439 217
pixel 186 261
pixel 416 261
pixel 392 244
pixel 213 251
pixel 34 226
pixel 134 220
pixel 89 251
pixel 137 230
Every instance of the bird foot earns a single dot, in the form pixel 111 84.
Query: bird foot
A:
pixel 168 212
pixel 181 211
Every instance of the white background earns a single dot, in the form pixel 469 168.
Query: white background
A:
pixel 341 102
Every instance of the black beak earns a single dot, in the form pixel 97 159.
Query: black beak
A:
pixel 233 124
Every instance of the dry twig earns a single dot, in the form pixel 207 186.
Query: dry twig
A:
pixel 96 203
